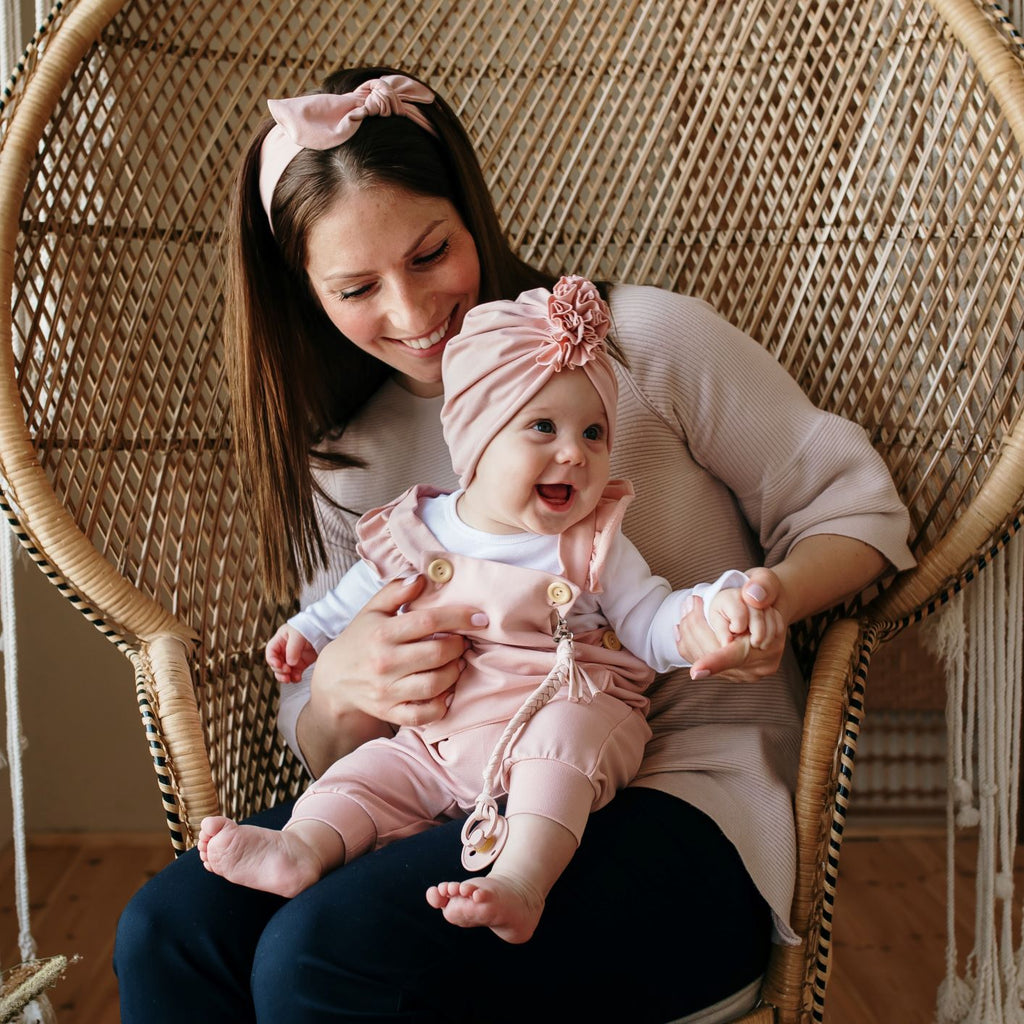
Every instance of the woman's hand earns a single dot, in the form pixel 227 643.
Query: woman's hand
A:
pixel 384 668
pixel 744 658
pixel 820 571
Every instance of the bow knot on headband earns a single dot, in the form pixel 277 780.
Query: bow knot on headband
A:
pixel 325 120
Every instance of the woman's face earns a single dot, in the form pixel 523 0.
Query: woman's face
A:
pixel 396 273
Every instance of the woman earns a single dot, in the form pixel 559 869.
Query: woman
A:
pixel 360 242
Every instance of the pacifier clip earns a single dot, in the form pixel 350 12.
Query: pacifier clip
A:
pixel 486 831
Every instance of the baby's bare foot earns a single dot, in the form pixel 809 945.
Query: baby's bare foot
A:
pixel 509 907
pixel 260 858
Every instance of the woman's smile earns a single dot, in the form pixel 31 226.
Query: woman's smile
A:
pixel 424 344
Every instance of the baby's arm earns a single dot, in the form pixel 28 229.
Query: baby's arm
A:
pixel 296 645
pixel 289 654
pixel 643 609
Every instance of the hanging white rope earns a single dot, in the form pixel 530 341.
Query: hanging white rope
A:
pixel 10 35
pixel 946 636
pixel 22 996
pixel 979 638
pixel 37 1010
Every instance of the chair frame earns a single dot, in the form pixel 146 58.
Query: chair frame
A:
pixel 161 646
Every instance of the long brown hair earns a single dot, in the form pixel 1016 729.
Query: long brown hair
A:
pixel 295 379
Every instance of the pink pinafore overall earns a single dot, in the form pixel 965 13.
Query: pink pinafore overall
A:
pixel 571 756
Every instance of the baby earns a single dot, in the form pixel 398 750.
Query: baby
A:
pixel 549 713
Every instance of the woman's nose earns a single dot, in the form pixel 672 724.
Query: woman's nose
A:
pixel 408 310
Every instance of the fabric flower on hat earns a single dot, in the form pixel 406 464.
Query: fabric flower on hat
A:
pixel 579 323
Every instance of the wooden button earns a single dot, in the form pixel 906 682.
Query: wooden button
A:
pixel 559 593
pixel 610 641
pixel 440 570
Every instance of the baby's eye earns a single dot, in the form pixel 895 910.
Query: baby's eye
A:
pixel 544 426
pixel 593 432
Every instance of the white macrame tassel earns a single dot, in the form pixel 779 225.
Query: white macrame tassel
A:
pixel 10 34
pixel 979 639
pixel 39 1010
pixel 945 635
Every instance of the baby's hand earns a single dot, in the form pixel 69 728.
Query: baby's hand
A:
pixel 289 654
pixel 730 617
pixel 720 653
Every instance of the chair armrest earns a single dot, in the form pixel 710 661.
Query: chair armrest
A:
pixel 170 714
pixel 831 724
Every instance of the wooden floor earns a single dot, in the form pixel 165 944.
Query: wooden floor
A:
pixel 890 922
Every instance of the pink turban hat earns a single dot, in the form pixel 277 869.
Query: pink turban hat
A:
pixel 507 351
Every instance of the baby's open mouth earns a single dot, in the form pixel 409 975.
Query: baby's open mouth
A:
pixel 556 494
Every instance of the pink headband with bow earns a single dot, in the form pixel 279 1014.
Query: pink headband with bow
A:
pixel 507 351
pixel 325 120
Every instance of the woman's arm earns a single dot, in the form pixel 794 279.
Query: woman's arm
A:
pixel 324 740
pixel 384 670
pixel 820 571
pixel 818 499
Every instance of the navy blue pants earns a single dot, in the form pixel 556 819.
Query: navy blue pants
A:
pixel 654 918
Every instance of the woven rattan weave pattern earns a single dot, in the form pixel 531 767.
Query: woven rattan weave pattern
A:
pixel 843 181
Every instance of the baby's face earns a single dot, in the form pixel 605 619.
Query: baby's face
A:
pixel 546 468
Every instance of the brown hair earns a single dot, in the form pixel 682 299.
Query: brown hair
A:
pixel 295 379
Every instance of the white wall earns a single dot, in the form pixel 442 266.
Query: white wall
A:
pixel 87 766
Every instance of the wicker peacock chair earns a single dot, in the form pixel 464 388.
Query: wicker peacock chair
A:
pixel 841 180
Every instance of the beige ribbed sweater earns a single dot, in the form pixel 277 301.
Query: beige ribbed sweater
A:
pixel 714 436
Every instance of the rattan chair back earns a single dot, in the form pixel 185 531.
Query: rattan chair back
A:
pixel 841 180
